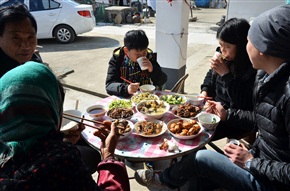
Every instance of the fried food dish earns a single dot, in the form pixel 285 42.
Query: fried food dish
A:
pixel 187 110
pixel 149 128
pixel 122 125
pixel 185 128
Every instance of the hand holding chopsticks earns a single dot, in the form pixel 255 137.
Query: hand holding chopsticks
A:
pixel 133 87
pixel 74 118
pixel 128 81
pixel 70 116
pixel 205 97
pixel 217 108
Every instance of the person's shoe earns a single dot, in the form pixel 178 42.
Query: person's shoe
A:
pixel 148 177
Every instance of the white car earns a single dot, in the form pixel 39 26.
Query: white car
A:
pixel 59 19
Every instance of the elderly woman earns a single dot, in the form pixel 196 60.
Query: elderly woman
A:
pixel 32 153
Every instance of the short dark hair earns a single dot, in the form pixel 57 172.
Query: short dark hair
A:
pixel 13 14
pixel 136 39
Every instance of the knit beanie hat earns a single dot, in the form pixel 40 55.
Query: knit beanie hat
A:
pixel 270 32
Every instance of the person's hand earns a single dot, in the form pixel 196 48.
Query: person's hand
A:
pixel 74 135
pixel 216 108
pixel 133 88
pixel 204 93
pixel 238 154
pixel 109 136
pixel 147 64
pixel 219 65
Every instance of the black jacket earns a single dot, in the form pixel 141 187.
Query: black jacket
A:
pixel 271 116
pixel 7 63
pixel 232 91
pixel 116 86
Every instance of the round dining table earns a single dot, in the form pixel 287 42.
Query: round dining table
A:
pixel 143 149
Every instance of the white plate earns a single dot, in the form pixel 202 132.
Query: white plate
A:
pixel 176 107
pixel 183 136
pixel 128 133
pixel 152 116
pixel 164 128
pixel 120 103
pixel 127 118
pixel 174 96
pixel 142 97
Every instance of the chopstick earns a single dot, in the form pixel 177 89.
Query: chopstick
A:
pixel 83 123
pixel 205 97
pixel 211 105
pixel 74 116
pixel 129 82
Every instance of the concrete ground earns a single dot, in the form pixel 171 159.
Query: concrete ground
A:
pixel 88 57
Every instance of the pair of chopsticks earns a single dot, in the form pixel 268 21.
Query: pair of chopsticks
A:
pixel 128 81
pixel 211 105
pixel 68 116
pixel 205 97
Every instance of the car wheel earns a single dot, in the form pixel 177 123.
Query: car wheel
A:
pixel 64 34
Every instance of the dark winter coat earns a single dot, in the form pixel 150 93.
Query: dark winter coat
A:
pixel 232 91
pixel 7 63
pixel 271 116
pixel 119 65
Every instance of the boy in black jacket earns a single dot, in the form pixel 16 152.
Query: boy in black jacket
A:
pixel 124 64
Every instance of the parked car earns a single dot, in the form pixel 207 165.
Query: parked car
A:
pixel 59 19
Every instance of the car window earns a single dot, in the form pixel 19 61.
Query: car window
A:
pixel 39 5
pixel 49 4
pixel 35 5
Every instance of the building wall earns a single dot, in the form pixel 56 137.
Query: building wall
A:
pixel 250 9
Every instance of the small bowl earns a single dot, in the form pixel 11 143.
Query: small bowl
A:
pixel 144 107
pixel 194 99
pixel 69 125
pixel 147 88
pixel 96 112
pixel 208 121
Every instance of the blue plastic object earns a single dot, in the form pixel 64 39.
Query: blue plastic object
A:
pixel 202 3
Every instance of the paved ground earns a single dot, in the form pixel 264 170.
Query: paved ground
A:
pixel 88 56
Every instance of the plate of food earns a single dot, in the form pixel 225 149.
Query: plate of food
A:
pixel 153 108
pixel 125 127
pixel 150 128
pixel 120 113
pixel 184 128
pixel 143 96
pixel 187 110
pixel 120 103
pixel 173 99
